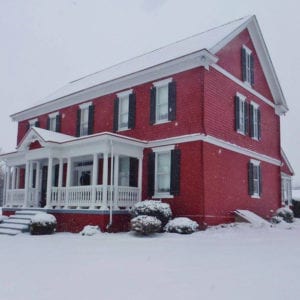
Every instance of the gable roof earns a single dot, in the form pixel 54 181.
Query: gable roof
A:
pixel 211 41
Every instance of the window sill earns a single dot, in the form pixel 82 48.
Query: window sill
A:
pixel 255 196
pixel 241 132
pixel 162 196
pixel 123 129
pixel 162 122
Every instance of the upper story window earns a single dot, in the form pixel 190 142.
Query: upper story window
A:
pixel 164 172
pixel 163 101
pixel 247 65
pixel 54 121
pixel 33 123
pixel 254 179
pixel 255 127
pixel 241 114
pixel 85 119
pixel 124 111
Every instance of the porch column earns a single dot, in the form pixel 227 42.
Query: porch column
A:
pixel 13 181
pixel 26 184
pixel 68 181
pixel 49 182
pixel 104 181
pixel 116 182
pixel 37 184
pixel 60 178
pixel 7 177
pixel 18 178
pixel 94 180
pixel 140 177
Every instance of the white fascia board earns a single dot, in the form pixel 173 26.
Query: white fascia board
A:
pixel 286 160
pixel 202 58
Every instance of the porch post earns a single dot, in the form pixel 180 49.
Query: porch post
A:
pixel 7 177
pixel 37 183
pixel 94 180
pixel 104 181
pixel 68 181
pixel 13 181
pixel 116 182
pixel 60 177
pixel 26 184
pixel 49 182
pixel 140 177
pixel 18 178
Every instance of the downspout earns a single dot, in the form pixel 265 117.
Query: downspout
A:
pixel 111 184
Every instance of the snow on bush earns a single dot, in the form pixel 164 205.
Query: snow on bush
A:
pixel 182 225
pixel 42 223
pixel 145 224
pixel 154 208
pixel 2 218
pixel 90 230
pixel 286 214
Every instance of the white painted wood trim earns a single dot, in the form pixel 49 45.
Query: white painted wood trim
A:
pixel 85 105
pixel 163 82
pixel 124 93
pixel 53 115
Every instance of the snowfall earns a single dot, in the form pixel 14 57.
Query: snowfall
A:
pixel 238 261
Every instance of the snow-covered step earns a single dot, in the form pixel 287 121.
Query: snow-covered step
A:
pixel 18 221
pixel 22 217
pixel 7 231
pixel 20 227
pixel 28 212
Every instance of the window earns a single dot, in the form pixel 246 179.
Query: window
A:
pixel 255 179
pixel 255 131
pixel 85 119
pixel 33 123
pixel 124 170
pixel 241 114
pixel 53 122
pixel 247 65
pixel 124 111
pixel 164 172
pixel 163 101
pixel 286 189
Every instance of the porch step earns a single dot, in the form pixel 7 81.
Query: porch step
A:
pixel 13 220
pixel 20 227
pixel 9 231
pixel 28 212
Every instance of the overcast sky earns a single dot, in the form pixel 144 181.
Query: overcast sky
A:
pixel 45 44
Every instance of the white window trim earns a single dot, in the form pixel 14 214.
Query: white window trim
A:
pixel 162 82
pixel 256 107
pixel 247 81
pixel 85 105
pixel 256 163
pixel 284 180
pixel 158 150
pixel 53 115
pixel 32 122
pixel 121 97
pixel 124 93
pixel 242 100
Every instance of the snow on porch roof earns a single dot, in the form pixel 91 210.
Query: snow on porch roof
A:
pixel 206 40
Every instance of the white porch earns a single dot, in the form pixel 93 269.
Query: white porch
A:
pixel 102 171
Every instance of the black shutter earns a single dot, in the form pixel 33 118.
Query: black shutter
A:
pixel 175 172
pixel 250 179
pixel 56 170
pixel 91 119
pixel 133 171
pixel 116 115
pixel 151 170
pixel 244 66
pixel 246 117
pixel 172 101
pixel 251 127
pixel 58 123
pixel 152 105
pixel 237 112
pixel 48 123
pixel 252 68
pixel 258 123
pixel 37 123
pixel 260 180
pixel 131 116
pixel 78 122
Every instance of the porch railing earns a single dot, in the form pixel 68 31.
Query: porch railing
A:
pixel 15 198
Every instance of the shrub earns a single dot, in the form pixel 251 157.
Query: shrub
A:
pixel 42 223
pixel 145 224
pixel 90 230
pixel 182 225
pixel 154 208
pixel 286 214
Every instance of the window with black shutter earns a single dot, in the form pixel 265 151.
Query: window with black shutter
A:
pixel 85 119
pixel 151 173
pixel 255 122
pixel 175 172
pixel 53 122
pixel 33 123
pixel 241 114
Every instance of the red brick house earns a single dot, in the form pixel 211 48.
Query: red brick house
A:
pixel 195 124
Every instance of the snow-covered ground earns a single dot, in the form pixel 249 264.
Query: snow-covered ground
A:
pixel 235 262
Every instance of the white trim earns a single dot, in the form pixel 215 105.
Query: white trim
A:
pixel 85 105
pixel 255 162
pixel 162 196
pixel 243 85
pixel 254 104
pixel 248 51
pixel 163 82
pixel 287 161
pixel 124 93
pixel 32 121
pixel 53 115
pixel 163 148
